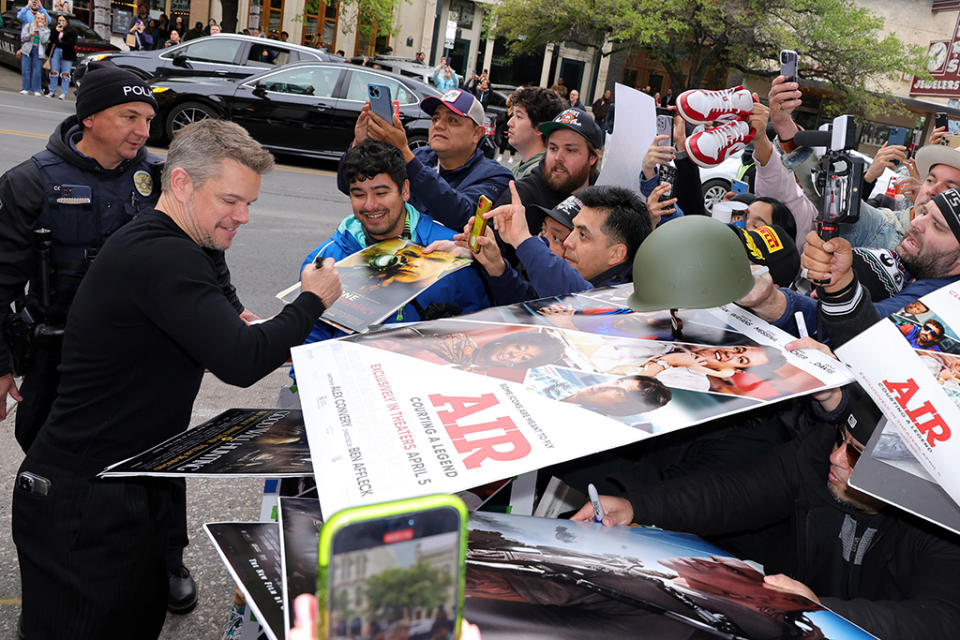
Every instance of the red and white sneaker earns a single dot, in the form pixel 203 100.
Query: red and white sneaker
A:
pixel 699 106
pixel 712 146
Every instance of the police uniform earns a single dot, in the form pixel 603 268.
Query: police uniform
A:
pixel 81 204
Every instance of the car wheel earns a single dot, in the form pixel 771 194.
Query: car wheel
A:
pixel 415 142
pixel 713 192
pixel 187 113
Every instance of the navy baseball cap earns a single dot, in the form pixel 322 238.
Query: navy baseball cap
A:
pixel 460 102
pixel 578 121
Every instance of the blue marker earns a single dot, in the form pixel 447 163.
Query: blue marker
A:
pixel 595 499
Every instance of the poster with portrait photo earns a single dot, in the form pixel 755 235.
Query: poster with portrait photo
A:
pixel 914 386
pixel 251 553
pixel 239 442
pixel 545 578
pixel 380 279
pixel 923 329
pixel 379 403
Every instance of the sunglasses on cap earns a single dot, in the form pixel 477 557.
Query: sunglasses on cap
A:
pixel 853 450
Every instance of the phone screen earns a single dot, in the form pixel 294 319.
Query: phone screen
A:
pixel 397 576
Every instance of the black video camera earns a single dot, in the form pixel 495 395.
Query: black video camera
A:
pixel 840 177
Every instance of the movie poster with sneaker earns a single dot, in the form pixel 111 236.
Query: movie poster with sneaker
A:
pixel 910 365
pixel 546 578
pixel 381 279
pixel 446 405
pixel 239 442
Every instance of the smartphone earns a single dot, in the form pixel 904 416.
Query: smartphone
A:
pixel 788 64
pixel 941 120
pixel 739 186
pixel 665 126
pixel 401 564
pixel 380 102
pixel 484 204
pixel 668 175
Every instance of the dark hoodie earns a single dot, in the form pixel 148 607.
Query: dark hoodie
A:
pixel 118 195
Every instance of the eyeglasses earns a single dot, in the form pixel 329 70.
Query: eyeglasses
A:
pixel 853 450
pixel 931 330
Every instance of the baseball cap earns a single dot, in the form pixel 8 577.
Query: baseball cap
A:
pixel 933 154
pixel 773 248
pixel 578 121
pixel 564 213
pixel 460 102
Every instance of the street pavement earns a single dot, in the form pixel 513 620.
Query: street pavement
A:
pixel 299 207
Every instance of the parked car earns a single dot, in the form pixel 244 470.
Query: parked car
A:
pixel 88 41
pixel 715 181
pixel 308 108
pixel 400 66
pixel 228 55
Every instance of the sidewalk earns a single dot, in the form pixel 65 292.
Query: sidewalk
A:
pixel 10 81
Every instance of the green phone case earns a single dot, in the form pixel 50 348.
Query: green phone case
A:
pixel 392 509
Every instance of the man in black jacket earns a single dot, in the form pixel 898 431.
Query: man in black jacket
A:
pixel 150 316
pixel 881 569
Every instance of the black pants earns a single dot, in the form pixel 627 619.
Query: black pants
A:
pixel 39 390
pixel 92 555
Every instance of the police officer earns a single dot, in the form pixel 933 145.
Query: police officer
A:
pixel 56 211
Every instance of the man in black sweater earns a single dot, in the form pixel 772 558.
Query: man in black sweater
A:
pixel 150 316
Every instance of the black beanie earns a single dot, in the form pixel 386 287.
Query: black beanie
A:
pixel 949 204
pixel 105 85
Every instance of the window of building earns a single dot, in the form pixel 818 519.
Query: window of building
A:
pixel 320 22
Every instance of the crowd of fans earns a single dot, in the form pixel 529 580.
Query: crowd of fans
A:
pixel 772 484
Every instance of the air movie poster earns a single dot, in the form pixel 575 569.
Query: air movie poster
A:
pixel 917 381
pixel 238 442
pixel 446 405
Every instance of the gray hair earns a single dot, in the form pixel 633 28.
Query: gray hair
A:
pixel 201 147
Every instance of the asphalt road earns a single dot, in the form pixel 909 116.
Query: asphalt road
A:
pixel 298 208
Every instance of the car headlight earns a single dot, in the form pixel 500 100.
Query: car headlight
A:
pixel 159 89
pixel 97 57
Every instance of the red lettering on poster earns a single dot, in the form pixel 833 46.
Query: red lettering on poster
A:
pixel 935 429
pixel 499 439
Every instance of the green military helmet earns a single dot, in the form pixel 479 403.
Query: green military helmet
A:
pixel 693 262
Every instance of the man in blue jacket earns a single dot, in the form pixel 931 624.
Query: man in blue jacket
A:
pixel 449 176
pixel 930 251
pixel 608 227
pixel 379 189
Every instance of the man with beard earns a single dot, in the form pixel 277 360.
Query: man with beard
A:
pixel 571 163
pixel 447 177
pixel 938 166
pixel 930 251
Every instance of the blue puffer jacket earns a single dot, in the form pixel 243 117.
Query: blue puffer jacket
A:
pixel 463 288
pixel 449 196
